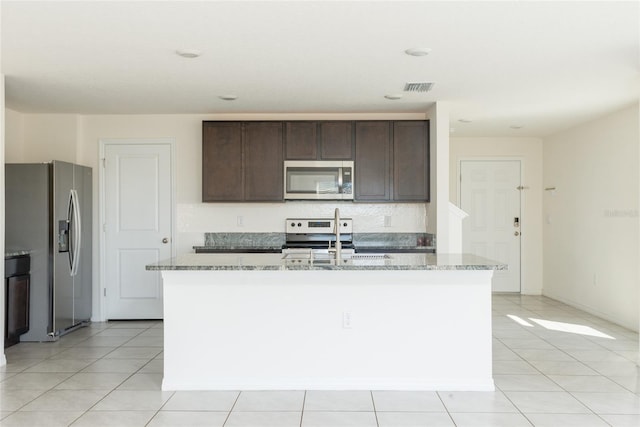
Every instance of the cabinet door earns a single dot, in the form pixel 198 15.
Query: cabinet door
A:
pixel 336 140
pixel 17 308
pixel 410 161
pixel 301 140
pixel 222 161
pixel 372 164
pixel 263 163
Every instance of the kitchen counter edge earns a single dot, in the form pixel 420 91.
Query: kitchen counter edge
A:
pixel 271 249
pixel 271 261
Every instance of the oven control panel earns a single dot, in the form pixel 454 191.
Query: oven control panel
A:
pixel 317 225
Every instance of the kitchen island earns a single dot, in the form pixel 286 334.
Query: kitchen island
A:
pixel 366 322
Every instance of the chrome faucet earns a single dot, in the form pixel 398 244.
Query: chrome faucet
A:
pixel 336 230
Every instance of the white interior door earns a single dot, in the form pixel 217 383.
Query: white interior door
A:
pixel 138 221
pixel 489 193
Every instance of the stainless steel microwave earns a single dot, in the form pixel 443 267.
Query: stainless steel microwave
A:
pixel 318 180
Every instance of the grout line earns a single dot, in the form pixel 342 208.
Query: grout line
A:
pixel 445 408
pixel 375 412
pixel 231 410
pixel 304 401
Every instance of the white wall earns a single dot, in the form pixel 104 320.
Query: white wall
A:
pixel 34 138
pixel 529 151
pixel 3 360
pixel 14 136
pixel 591 219
pixel 75 138
pixel 438 208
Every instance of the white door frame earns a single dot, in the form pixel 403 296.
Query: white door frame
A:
pixel 103 143
pixel 523 224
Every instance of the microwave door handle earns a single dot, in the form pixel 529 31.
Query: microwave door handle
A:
pixel 339 180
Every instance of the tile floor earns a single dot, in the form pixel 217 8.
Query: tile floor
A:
pixel 554 366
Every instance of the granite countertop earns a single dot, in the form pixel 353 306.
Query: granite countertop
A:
pixel 271 261
pixel 237 249
pixel 10 252
pixel 273 249
pixel 396 249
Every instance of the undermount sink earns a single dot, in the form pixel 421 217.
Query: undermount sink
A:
pixel 370 256
pixel 328 256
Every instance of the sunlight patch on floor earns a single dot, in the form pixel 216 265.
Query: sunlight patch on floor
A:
pixel 571 327
pixel 519 320
pixel 553 325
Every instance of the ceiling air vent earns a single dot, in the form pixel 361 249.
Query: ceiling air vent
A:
pixel 418 87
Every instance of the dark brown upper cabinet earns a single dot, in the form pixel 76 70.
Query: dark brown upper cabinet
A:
pixel 242 161
pixel 301 140
pixel 410 161
pixel 324 140
pixel 372 164
pixel 336 140
pixel 263 162
pixel 392 161
pixel 222 171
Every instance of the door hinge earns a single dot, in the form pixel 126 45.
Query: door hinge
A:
pixel 104 291
pixel 104 162
pixel 104 227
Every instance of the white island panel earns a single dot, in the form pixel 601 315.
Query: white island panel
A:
pixel 284 330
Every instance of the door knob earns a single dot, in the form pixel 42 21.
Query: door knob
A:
pixel 165 240
pixel 517 233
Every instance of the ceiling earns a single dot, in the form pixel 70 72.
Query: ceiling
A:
pixel 543 66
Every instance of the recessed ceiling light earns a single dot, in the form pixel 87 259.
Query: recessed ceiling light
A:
pixel 418 51
pixel 516 126
pixel 228 97
pixel 465 120
pixel 189 53
pixel 393 96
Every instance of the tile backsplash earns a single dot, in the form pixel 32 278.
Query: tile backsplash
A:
pixel 249 240
pixel 276 240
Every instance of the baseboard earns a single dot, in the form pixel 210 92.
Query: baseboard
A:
pixel 591 310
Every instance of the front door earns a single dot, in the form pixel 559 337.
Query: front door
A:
pixel 490 194
pixel 138 226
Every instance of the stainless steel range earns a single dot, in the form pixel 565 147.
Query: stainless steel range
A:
pixel 318 235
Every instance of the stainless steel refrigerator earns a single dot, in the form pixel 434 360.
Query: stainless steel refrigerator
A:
pixel 48 212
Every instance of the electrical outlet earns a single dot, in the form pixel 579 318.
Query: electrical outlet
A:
pixel 387 220
pixel 240 220
pixel 347 320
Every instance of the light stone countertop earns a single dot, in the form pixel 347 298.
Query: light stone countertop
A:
pixel 271 261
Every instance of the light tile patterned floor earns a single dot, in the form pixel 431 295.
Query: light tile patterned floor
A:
pixel 554 366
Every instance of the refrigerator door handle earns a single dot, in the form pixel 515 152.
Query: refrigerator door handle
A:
pixel 74 218
pixel 70 231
